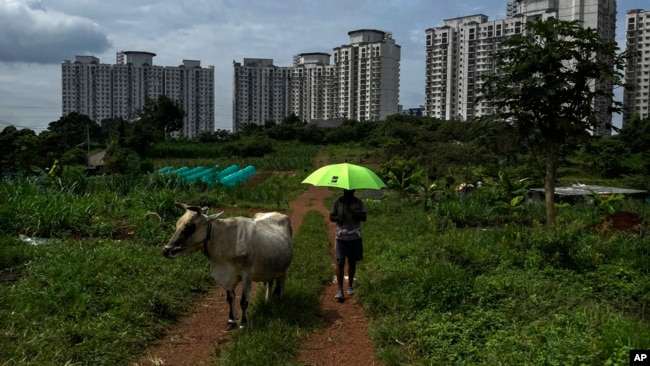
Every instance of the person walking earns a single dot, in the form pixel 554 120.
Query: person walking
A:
pixel 348 212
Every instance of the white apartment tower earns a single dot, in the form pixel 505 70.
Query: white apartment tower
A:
pixel 314 87
pixel 192 86
pixel 87 87
pixel 461 50
pixel 361 84
pixel 261 92
pixel 368 75
pixel 637 74
pixel 103 91
pixel 134 78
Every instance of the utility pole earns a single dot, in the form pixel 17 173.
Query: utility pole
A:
pixel 88 143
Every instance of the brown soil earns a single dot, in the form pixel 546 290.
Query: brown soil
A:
pixel 622 221
pixel 343 339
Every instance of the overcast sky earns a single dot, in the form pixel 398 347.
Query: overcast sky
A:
pixel 37 36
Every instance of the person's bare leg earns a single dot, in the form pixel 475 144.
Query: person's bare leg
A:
pixel 340 274
pixel 352 269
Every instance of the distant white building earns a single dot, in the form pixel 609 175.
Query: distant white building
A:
pixel 361 84
pixel 368 75
pixel 314 87
pixel 261 92
pixel 461 50
pixel 637 73
pixel 103 91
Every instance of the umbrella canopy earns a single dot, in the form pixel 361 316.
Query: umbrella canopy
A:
pixel 345 175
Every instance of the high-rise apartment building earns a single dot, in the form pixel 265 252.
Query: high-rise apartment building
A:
pixel 460 51
pixel 512 8
pixel 314 87
pixel 368 75
pixel 103 91
pixel 361 84
pixel 636 101
pixel 261 92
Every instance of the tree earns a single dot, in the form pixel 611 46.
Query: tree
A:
pixel 250 129
pixel 75 129
pixel 636 134
pixel 108 127
pixel 8 136
pixel 20 150
pixel 163 115
pixel 546 83
pixel 25 154
pixel 128 148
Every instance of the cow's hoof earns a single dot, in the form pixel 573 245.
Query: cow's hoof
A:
pixel 230 326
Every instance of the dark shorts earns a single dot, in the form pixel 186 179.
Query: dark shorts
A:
pixel 350 249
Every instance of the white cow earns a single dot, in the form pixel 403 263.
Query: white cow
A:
pixel 240 249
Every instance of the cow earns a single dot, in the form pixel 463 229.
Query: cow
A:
pixel 240 249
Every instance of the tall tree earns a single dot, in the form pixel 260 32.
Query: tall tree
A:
pixel 75 129
pixel 545 85
pixel 19 149
pixel 163 114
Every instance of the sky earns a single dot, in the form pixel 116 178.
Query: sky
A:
pixel 37 36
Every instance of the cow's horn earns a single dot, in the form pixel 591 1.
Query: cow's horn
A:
pixel 196 209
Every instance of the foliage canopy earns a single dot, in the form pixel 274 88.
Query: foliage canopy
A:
pixel 550 79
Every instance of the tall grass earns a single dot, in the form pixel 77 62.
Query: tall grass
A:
pixel 94 302
pixel 117 206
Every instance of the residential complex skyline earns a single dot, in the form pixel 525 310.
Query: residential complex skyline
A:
pixel 119 90
pixel 30 59
pixel 362 83
pixel 457 54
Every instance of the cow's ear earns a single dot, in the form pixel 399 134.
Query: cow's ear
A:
pixel 215 216
pixel 204 210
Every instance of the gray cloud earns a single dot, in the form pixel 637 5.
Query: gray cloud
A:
pixel 30 33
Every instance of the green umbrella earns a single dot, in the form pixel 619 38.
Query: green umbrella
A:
pixel 345 175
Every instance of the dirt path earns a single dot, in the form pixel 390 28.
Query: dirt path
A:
pixel 343 340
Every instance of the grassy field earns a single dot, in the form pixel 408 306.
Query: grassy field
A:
pixel 510 294
pixel 96 290
pixel 446 279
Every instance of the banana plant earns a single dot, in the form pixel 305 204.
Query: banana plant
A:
pixel 511 193
pixel 405 183
pixel 604 202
